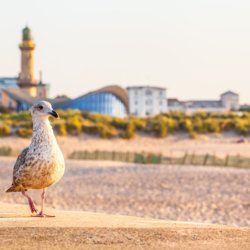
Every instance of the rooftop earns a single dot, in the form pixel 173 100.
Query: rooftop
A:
pixel 229 92
pixel 145 87
pixel 18 95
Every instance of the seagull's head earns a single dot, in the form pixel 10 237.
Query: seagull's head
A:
pixel 43 109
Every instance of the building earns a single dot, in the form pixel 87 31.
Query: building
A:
pixel 110 100
pixel 26 79
pixel 8 82
pixel 175 104
pixel 228 101
pixel 16 100
pixel 19 93
pixel 147 100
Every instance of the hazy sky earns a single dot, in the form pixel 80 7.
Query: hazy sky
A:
pixel 195 48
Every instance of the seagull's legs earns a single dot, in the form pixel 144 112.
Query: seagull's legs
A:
pixel 31 203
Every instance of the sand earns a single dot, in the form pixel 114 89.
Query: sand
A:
pixel 177 193
pixel 85 230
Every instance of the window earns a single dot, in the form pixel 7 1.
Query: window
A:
pixel 104 103
pixel 148 102
pixel 148 92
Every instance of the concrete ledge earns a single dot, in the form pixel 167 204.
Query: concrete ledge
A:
pixel 87 230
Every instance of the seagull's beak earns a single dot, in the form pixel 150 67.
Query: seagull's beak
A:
pixel 53 113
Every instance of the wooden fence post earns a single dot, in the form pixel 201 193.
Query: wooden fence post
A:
pixel 205 160
pixel 226 160
pixel 192 159
pixel 184 158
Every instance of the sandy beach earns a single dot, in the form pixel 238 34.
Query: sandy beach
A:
pixel 177 193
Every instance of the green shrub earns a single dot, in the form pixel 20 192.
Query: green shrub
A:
pixel 129 133
pixel 140 123
pixel 61 129
pixel 160 127
pixel 74 122
pixel 170 123
pixel 188 125
pixel 24 132
pixel 119 123
pixel 106 131
pixel 246 115
pixel 201 115
pixel 198 125
pixel 74 125
pixel 212 125
pixel 8 122
pixel 91 129
pixel 242 126
pixel 5 130
pixel 96 118
pixel 163 131
pixel 177 115
pixel 21 116
pixel 66 114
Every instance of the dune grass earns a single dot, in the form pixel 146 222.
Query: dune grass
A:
pixel 74 122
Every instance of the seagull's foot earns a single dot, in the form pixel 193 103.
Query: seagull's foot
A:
pixel 43 215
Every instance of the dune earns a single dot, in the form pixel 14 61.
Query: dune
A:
pixel 88 230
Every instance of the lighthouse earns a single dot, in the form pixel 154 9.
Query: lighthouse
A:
pixel 26 79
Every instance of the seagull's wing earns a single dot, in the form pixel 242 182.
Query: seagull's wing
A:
pixel 20 160
pixel 19 163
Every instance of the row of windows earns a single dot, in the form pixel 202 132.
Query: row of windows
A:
pixel 148 102
pixel 150 92
pixel 147 112
pixel 104 103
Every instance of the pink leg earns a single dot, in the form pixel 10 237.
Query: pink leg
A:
pixel 31 203
pixel 41 214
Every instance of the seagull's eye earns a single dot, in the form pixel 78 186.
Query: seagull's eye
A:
pixel 40 107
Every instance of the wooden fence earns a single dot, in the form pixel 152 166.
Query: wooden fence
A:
pixel 153 158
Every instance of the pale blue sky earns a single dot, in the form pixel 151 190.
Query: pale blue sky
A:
pixel 195 48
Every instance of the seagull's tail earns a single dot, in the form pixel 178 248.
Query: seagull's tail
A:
pixel 14 188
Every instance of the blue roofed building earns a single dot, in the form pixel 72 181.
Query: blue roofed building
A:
pixel 109 100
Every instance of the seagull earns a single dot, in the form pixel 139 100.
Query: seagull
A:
pixel 42 163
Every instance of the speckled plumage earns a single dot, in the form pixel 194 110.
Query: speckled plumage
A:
pixel 41 164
